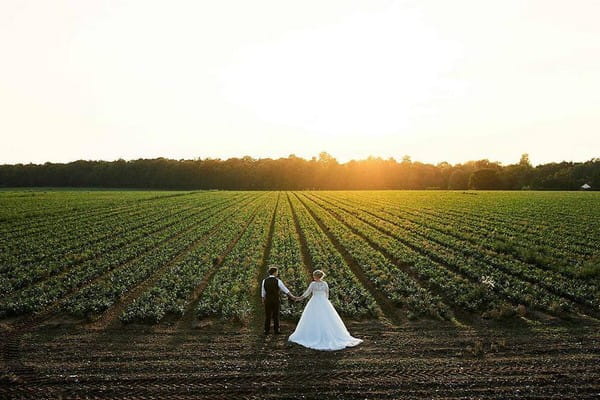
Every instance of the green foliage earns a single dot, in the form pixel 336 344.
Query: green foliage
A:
pixel 485 179
pixel 295 173
pixel 589 268
pixel 431 254
pixel 459 180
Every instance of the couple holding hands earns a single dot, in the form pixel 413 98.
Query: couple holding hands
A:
pixel 320 327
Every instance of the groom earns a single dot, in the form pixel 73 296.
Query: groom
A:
pixel 270 288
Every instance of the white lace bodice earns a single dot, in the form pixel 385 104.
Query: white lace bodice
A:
pixel 320 288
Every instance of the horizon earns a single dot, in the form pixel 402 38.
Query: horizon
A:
pixel 397 159
pixel 100 81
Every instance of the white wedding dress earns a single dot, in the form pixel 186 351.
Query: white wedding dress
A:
pixel 320 327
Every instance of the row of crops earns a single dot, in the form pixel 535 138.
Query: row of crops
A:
pixel 440 255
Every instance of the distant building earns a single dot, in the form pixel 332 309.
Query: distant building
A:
pixel 585 186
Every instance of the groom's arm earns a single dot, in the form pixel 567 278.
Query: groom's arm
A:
pixel 284 289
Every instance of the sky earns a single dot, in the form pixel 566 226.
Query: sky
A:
pixel 437 80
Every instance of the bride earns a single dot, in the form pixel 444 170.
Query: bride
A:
pixel 320 327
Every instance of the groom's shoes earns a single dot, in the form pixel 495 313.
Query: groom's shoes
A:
pixel 277 332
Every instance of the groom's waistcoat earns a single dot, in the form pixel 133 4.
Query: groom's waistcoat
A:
pixel 272 289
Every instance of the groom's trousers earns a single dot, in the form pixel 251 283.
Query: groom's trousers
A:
pixel 271 313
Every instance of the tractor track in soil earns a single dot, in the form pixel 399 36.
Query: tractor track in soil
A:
pixel 585 308
pixel 189 313
pixel 111 315
pixel 425 359
pixel 460 315
pixel 68 216
pixel 306 258
pixel 387 308
pixel 170 221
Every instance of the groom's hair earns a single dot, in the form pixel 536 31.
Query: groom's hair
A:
pixel 272 270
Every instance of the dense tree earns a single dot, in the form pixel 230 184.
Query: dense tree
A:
pixel 459 179
pixel 293 172
pixel 485 179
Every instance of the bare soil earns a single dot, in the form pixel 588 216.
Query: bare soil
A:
pixel 518 359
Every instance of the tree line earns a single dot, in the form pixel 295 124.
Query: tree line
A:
pixel 295 173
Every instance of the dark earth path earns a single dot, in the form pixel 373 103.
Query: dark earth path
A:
pixel 426 359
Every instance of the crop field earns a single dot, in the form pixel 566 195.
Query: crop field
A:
pixel 144 294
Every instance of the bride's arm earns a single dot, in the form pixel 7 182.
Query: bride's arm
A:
pixel 327 289
pixel 307 291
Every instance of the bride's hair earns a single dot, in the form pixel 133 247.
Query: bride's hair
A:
pixel 317 273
